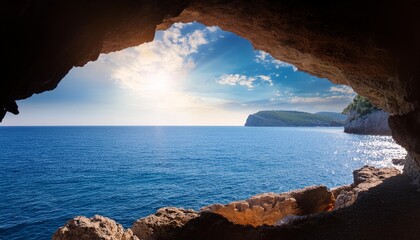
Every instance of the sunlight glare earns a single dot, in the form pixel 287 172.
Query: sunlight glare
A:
pixel 161 83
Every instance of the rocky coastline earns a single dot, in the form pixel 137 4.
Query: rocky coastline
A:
pixel 267 209
pixel 365 118
pixel 374 123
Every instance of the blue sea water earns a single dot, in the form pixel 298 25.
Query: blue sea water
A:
pixel 51 174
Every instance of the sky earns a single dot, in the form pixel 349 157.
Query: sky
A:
pixel 190 74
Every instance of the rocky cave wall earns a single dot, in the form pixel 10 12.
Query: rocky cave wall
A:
pixel 372 46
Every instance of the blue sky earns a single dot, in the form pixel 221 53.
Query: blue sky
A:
pixel 189 75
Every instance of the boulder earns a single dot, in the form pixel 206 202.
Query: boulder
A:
pixel 313 199
pixel 95 228
pixel 163 224
pixel 364 179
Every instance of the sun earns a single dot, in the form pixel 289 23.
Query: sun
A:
pixel 160 83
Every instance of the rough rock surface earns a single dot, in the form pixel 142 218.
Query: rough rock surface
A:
pixel 163 224
pixel 386 212
pixel 95 228
pixel 364 179
pixel 374 123
pixel 266 208
pixel 406 132
pixel 270 208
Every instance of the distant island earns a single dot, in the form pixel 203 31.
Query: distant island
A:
pixel 280 118
pixel 364 118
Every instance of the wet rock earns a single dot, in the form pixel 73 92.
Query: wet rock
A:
pixel 163 224
pixel 95 228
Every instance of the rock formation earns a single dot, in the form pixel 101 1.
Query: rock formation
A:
pixel 266 208
pixel 163 224
pixel 363 179
pixel 95 228
pixel 365 118
pixel 374 123
pixel 261 210
pixel 270 208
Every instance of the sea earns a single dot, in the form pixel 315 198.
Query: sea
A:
pixel 48 175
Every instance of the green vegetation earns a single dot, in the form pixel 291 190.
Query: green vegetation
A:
pixel 361 105
pixel 292 118
pixel 334 115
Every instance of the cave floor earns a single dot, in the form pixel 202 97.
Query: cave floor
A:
pixel 390 210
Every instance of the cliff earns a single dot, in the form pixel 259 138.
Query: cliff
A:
pixel 292 119
pixel 364 118
pixel 374 123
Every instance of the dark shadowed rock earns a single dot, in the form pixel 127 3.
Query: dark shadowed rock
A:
pixel 398 161
pixel 313 199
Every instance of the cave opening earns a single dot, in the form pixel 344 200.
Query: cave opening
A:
pixel 185 64
pixel 372 47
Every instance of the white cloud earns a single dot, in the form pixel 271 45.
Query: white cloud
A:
pixel 266 78
pixel 261 57
pixel 159 66
pixel 243 80
pixel 236 79
pixel 212 28
pixel 266 60
pixel 155 73
pixel 342 89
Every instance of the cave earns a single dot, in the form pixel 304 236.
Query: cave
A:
pixel 371 46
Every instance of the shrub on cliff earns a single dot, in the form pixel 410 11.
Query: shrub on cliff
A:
pixel 361 105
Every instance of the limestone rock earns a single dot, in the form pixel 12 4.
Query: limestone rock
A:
pixel 374 123
pixel 270 208
pixel 368 176
pixel 95 228
pixel 266 208
pixel 345 199
pixel 337 190
pixel 163 224
pixel 364 179
pixel 313 199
